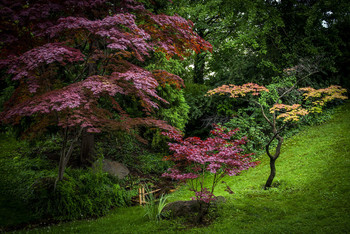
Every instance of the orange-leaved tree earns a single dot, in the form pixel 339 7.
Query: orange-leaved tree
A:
pixel 279 115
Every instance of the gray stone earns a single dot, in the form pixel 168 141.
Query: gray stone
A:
pixel 186 208
pixel 181 208
pixel 113 168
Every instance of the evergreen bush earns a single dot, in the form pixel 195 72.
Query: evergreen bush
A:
pixel 83 193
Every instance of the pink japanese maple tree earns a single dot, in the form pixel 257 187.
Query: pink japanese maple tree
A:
pixel 65 56
pixel 219 155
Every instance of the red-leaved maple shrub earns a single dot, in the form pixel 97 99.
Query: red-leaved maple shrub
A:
pixel 220 155
pixel 64 57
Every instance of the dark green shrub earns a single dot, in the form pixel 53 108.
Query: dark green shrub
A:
pixel 152 163
pixel 28 182
pixel 82 193
pixel 18 172
pixel 175 113
pixel 122 147
pixel 205 110
pixel 125 148
pixel 252 129
pixel 196 99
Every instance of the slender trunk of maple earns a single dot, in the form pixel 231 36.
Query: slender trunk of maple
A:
pixel 64 159
pixel 60 169
pixel 272 173
pixel 66 153
pixel 204 207
pixel 273 158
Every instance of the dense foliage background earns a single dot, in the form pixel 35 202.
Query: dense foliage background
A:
pixel 83 81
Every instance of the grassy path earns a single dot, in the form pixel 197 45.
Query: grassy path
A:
pixel 312 193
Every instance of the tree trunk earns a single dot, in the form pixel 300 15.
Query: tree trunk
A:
pixel 61 168
pixel 64 158
pixel 65 154
pixel 273 158
pixel 87 148
pixel 272 173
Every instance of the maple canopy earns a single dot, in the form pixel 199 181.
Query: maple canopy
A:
pixel 219 154
pixel 288 113
pixel 64 56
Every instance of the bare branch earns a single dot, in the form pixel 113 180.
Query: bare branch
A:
pixel 291 88
pixel 262 111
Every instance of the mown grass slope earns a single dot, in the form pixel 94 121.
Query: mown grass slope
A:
pixel 311 193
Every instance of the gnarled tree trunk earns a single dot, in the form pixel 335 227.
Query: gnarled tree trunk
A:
pixel 273 158
pixel 272 173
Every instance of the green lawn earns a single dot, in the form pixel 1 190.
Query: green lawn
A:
pixel 312 193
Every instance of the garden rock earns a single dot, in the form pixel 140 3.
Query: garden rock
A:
pixel 187 208
pixel 113 168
